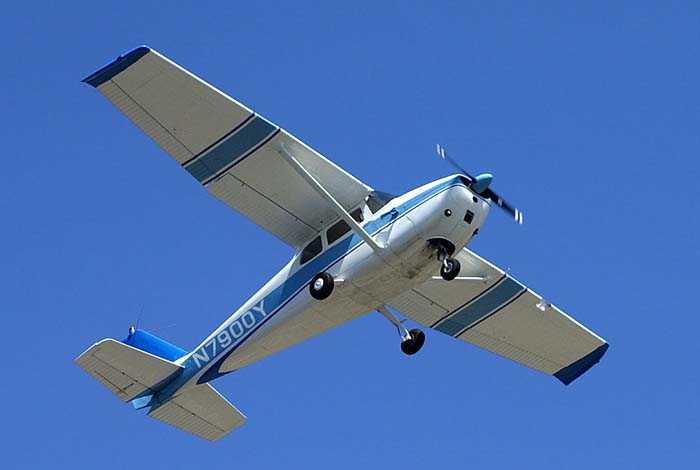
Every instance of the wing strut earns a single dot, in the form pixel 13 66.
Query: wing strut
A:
pixel 313 182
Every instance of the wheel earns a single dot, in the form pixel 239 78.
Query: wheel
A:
pixel 413 345
pixel 450 269
pixel 321 286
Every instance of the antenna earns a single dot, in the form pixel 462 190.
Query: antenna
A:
pixel 138 317
pixel 133 327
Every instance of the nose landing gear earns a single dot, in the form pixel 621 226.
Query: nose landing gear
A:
pixel 411 341
pixel 450 267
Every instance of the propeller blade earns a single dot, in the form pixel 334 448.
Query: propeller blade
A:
pixel 442 153
pixel 517 214
pixel 480 184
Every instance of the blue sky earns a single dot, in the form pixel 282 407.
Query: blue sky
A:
pixel 587 115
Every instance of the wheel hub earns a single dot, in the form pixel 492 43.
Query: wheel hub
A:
pixel 321 286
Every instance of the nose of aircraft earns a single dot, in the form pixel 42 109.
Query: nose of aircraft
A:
pixel 469 211
pixel 482 182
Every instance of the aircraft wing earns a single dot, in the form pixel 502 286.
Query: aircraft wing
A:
pixel 228 148
pixel 497 313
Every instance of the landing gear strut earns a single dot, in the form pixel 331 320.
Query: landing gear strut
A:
pixel 450 267
pixel 411 340
pixel 321 286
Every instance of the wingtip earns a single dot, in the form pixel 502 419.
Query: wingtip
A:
pixel 117 66
pixel 575 370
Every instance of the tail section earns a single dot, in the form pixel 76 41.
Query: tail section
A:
pixel 139 369
pixel 128 372
pixel 200 410
pixel 148 342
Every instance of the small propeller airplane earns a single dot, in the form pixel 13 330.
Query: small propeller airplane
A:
pixel 357 251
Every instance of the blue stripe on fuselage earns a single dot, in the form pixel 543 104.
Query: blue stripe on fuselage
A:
pixel 285 292
pixel 482 307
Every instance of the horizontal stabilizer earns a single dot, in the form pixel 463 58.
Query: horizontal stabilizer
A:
pixel 202 411
pixel 128 372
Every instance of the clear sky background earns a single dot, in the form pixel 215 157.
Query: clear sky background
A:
pixel 587 114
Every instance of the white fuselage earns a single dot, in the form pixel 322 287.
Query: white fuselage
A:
pixel 365 279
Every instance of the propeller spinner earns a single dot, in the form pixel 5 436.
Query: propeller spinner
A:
pixel 480 184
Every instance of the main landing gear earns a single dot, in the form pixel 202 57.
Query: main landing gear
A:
pixel 321 286
pixel 411 340
pixel 414 342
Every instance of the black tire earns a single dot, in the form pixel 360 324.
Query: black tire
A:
pixel 450 270
pixel 321 286
pixel 413 345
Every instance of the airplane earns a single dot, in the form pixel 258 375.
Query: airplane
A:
pixel 357 250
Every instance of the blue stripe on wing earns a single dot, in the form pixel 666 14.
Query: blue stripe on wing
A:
pixel 232 150
pixel 493 300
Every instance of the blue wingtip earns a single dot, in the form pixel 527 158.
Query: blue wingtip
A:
pixel 117 66
pixel 575 370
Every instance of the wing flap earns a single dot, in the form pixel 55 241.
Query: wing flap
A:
pixel 126 371
pixel 201 411
pixel 268 214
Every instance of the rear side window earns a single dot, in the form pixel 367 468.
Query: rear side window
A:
pixel 377 199
pixel 337 230
pixel 357 215
pixel 311 250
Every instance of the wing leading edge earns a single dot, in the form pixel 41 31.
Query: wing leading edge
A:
pixel 501 315
pixel 228 148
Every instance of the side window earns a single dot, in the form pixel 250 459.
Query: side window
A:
pixel 357 214
pixel 377 199
pixel 337 230
pixel 311 250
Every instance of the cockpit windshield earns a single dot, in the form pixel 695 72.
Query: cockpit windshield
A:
pixel 378 199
